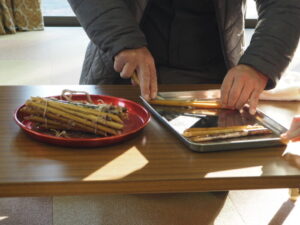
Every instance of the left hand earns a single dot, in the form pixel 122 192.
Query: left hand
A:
pixel 242 84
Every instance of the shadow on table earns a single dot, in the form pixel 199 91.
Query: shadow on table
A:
pixel 107 163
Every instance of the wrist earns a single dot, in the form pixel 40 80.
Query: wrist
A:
pixel 253 70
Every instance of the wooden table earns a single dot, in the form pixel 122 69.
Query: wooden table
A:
pixel 153 161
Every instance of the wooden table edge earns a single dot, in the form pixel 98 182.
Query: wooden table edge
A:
pixel 139 187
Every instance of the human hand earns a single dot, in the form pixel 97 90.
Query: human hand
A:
pixel 292 138
pixel 294 131
pixel 141 61
pixel 242 84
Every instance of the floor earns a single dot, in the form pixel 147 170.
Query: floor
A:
pixel 255 207
pixel 54 56
pixel 42 57
pixel 34 58
pixel 251 207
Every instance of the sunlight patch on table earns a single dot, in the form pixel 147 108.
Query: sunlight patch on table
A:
pixel 130 161
pixel 292 155
pixel 3 217
pixel 244 172
pixel 292 148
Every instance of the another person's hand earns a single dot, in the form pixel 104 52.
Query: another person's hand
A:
pixel 292 138
pixel 294 131
pixel 242 84
pixel 141 61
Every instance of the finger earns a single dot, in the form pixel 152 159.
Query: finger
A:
pixel 234 93
pixel 244 97
pixel 295 122
pixel 135 79
pixel 294 130
pixel 284 139
pixel 118 65
pixel 284 135
pixel 253 101
pixel 127 70
pixel 225 88
pixel 153 81
pixel 291 134
pixel 296 118
pixel 144 77
pixel 134 83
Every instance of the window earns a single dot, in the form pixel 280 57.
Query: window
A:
pixel 251 12
pixel 56 8
pixel 59 13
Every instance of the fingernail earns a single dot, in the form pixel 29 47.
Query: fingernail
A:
pixel 252 111
pixel 284 136
pixel 284 139
pixel 153 95
pixel 146 97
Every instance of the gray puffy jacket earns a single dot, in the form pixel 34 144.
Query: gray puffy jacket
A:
pixel 113 25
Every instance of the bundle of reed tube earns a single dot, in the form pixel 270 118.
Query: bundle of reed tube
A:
pixel 53 114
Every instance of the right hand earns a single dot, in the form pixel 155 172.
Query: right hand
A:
pixel 242 84
pixel 140 60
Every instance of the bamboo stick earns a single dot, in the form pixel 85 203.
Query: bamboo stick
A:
pixel 217 130
pixel 236 134
pixel 195 104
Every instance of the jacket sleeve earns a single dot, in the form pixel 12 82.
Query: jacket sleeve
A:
pixel 109 24
pixel 275 38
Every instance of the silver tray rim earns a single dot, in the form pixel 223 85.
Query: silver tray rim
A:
pixel 227 145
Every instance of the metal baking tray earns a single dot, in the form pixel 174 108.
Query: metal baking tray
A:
pixel 177 119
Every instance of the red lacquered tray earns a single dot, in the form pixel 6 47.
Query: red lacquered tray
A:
pixel 138 118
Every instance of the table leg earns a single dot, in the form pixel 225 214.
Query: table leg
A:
pixel 294 193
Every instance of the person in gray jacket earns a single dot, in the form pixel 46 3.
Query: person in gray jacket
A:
pixel 191 41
